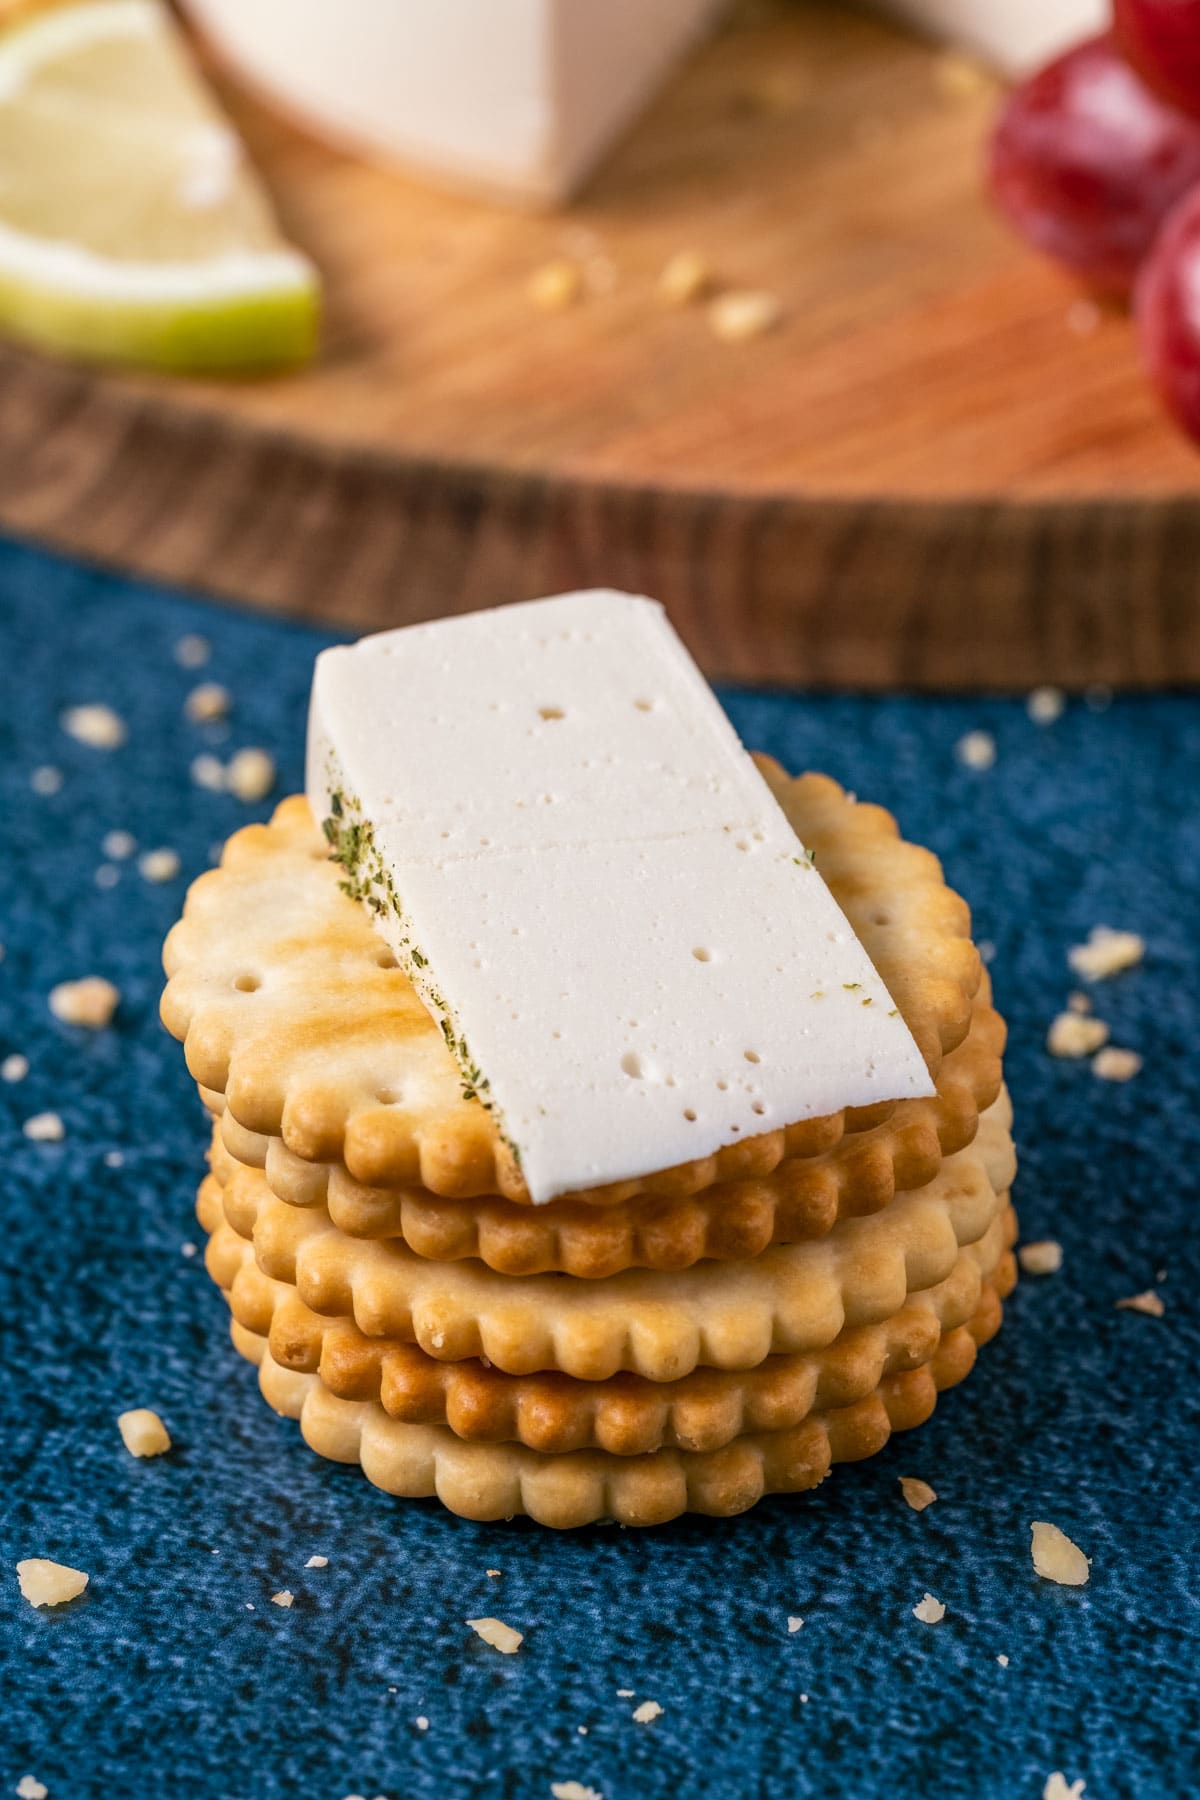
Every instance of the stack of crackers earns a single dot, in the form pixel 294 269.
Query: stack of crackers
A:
pixel 687 1341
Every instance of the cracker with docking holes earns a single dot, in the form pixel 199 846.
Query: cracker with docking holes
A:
pixel 498 1481
pixel 626 1415
pixel 732 1220
pixel 290 1006
pixel 724 1315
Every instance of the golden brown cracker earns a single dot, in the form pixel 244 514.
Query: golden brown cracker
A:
pixel 730 1221
pixel 625 1415
pixel 725 1315
pixel 498 1481
pixel 290 1006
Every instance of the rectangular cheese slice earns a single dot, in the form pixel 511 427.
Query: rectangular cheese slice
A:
pixel 593 890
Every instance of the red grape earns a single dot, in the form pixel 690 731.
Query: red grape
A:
pixel 1086 163
pixel 1161 38
pixel 1167 308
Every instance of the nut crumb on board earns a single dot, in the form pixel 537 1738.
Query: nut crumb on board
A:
pixel 918 1493
pixel 283 1598
pixel 742 314
pixel 30 1788
pixel 647 1712
pixel 929 1610
pixel 574 1790
pixel 555 286
pixel 14 1067
pixel 1055 1557
pixel 686 277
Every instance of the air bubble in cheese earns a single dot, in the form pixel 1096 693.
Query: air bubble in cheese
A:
pixel 591 886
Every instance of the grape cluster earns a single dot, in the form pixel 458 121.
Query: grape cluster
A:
pixel 1095 160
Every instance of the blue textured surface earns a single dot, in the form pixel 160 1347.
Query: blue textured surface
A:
pixel 161 1680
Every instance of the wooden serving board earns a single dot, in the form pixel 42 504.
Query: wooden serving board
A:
pixel 942 468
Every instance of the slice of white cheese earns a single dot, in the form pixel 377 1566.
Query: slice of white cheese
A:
pixel 519 98
pixel 594 891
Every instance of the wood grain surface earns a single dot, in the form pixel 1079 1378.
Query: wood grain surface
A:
pixel 943 468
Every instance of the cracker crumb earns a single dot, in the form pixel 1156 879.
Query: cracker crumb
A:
pixel 918 1493
pixel 118 845
pixel 421 1722
pixel 1043 1257
pixel 207 702
pixel 582 1730
pixel 500 1636
pixel 1084 317
pixel 45 1583
pixel 91 1001
pixel 555 286
pixel 961 77
pixel 1002 1660
pixel 208 771
pixel 317 1562
pixel 492 1573
pixel 1074 1034
pixel 794 1623
pixel 626 1693
pixel 14 1067
pixel 929 1610
pixel 30 1788
pixel 976 750
pixel 44 1128
pixel 742 314
pixel 46 781
pixel 97 726
pixel 1107 952
pixel 114 1159
pixel 159 865
pixel 648 1711
pixel 188 1250
pixel 685 277
pixel 1055 1557
pixel 250 774
pixel 1059 1788
pixel 143 1432
pixel 1113 1064
pixel 107 876
pixel 1045 705
pixel 1149 1303
pixel 192 651
pixel 1079 1003
pixel 283 1598
pixel 574 1790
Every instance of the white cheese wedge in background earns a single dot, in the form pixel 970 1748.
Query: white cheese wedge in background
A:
pixel 1015 35
pixel 518 98
pixel 593 889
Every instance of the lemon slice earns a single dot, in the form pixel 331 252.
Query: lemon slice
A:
pixel 132 228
